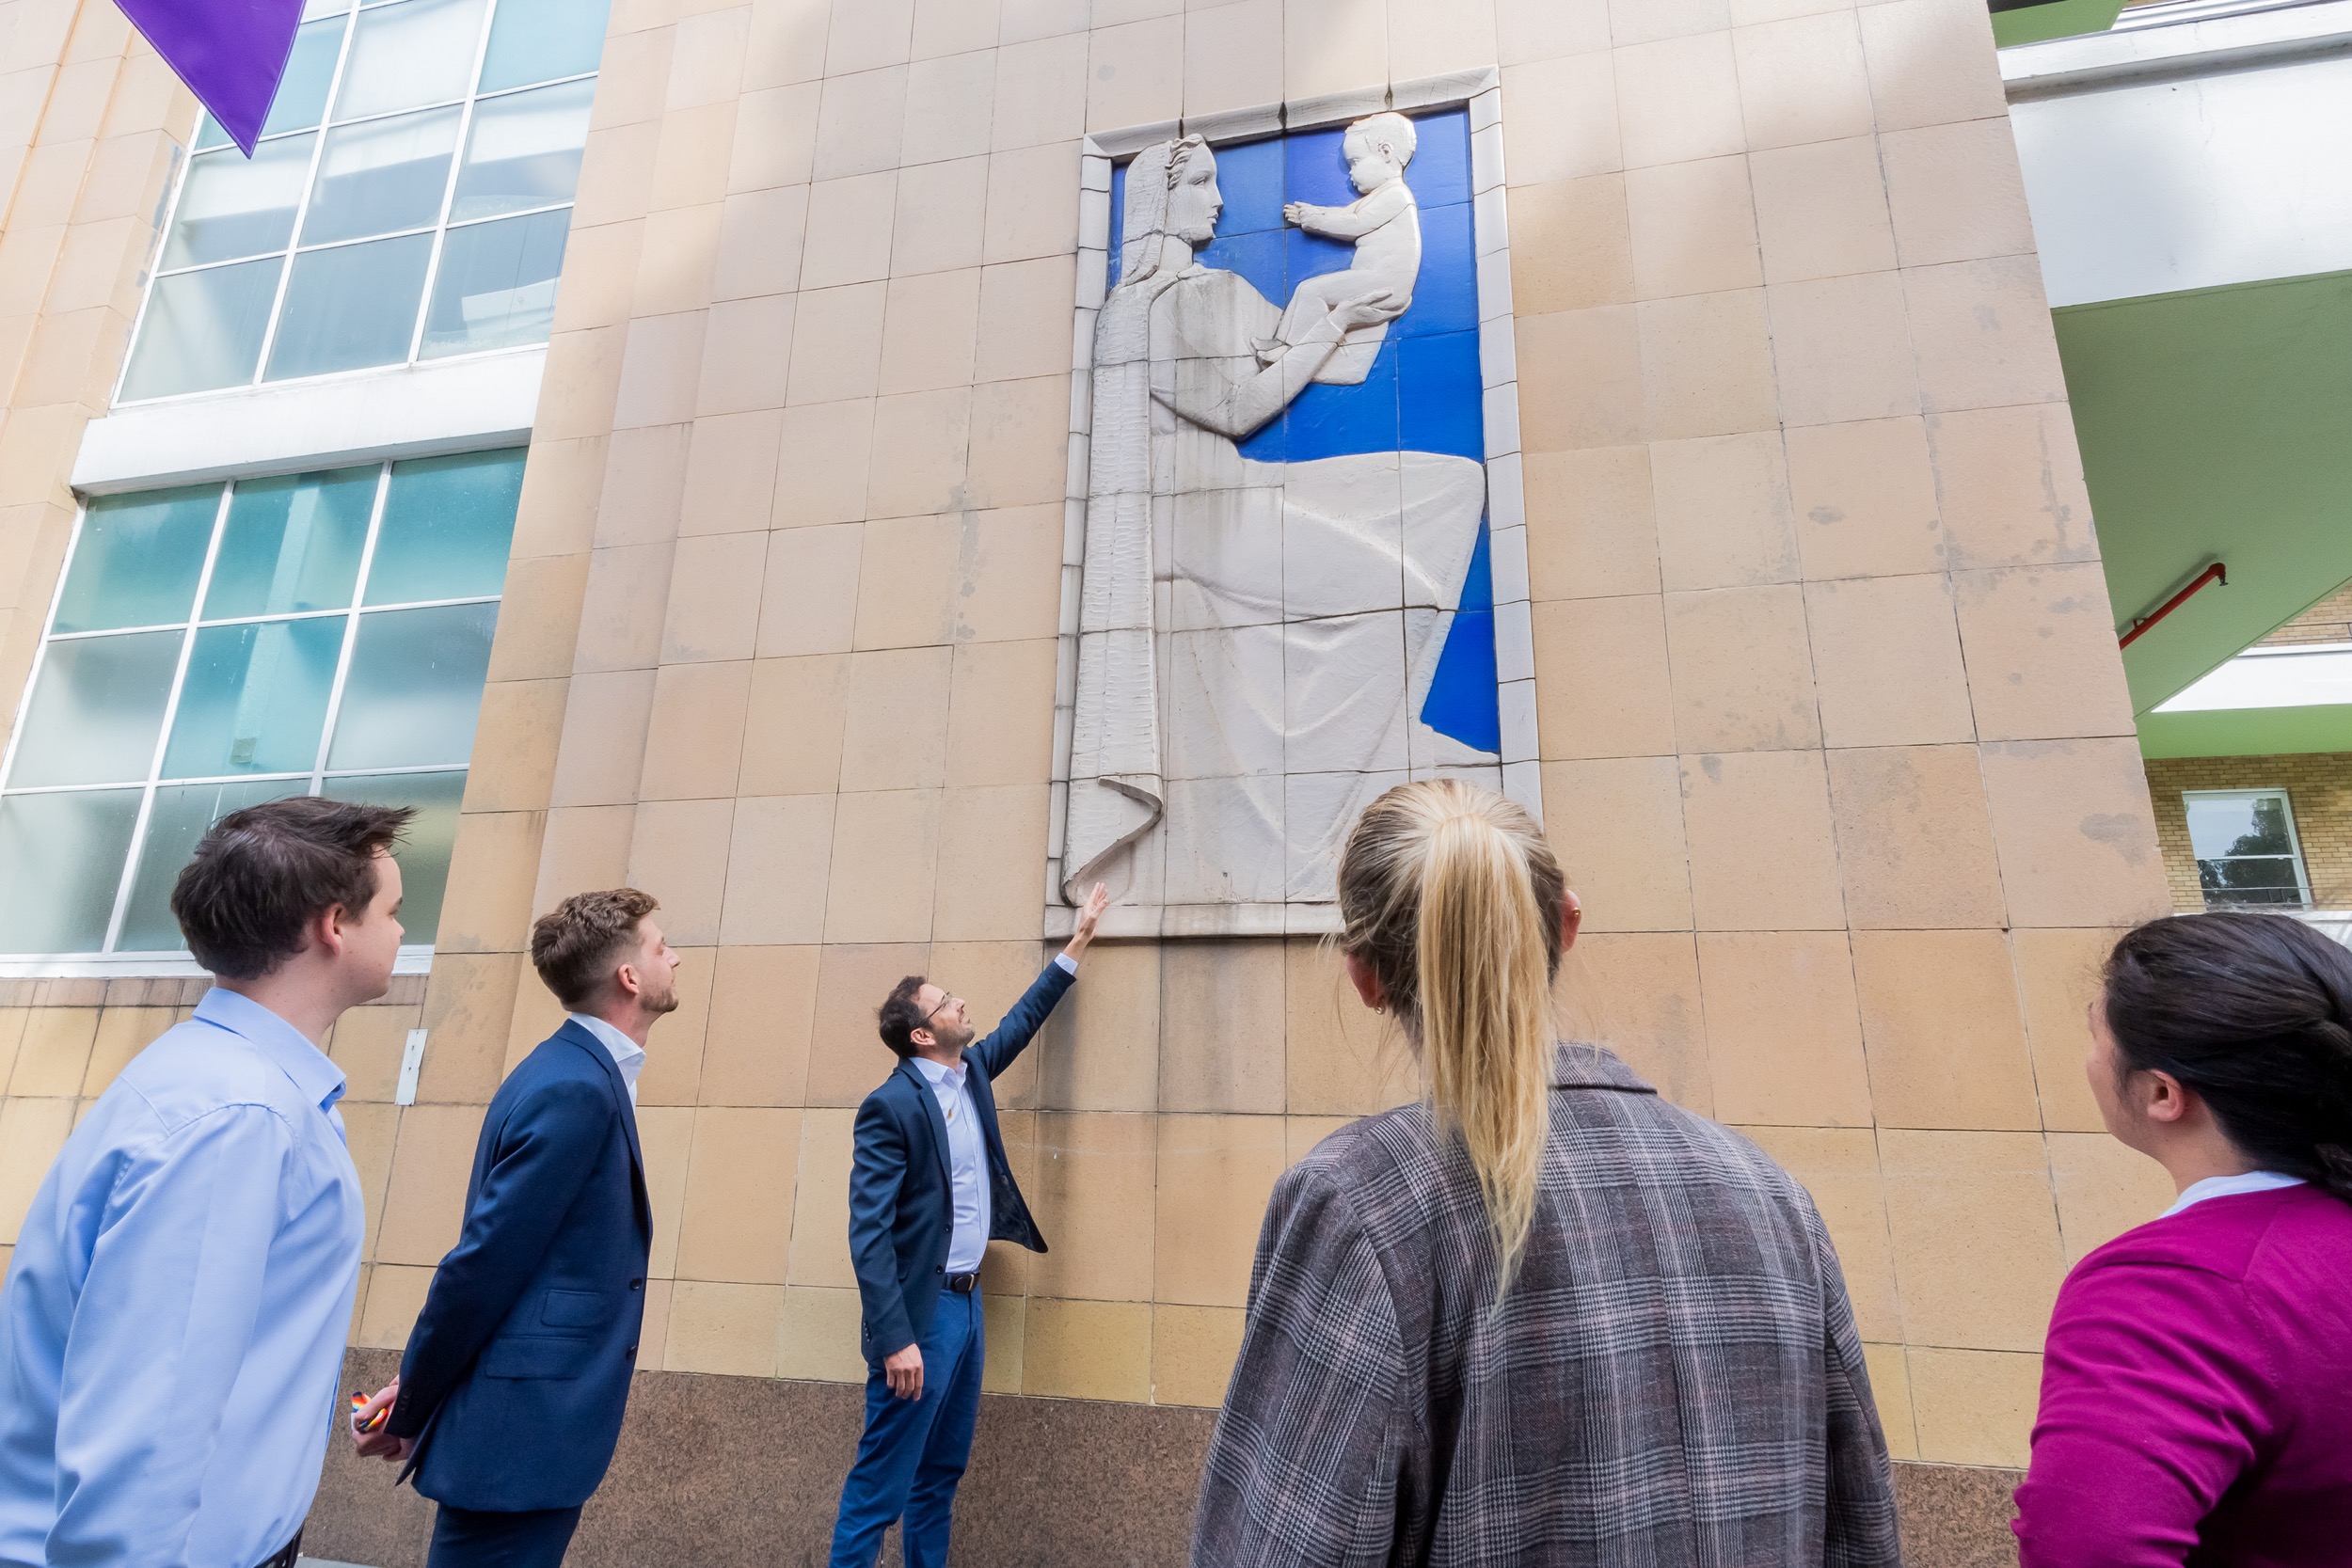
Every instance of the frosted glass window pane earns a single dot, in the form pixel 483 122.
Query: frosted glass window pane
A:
pixel 447 523
pixel 415 688
pixel 523 150
pixel 409 54
pixel 351 307
pixel 497 284
pixel 302 91
pixel 203 329
pixel 382 175
pixel 424 851
pixel 95 712
pixel 61 861
pixel 231 206
pixel 254 699
pixel 538 41
pixel 291 543
pixel 181 814
pixel 137 558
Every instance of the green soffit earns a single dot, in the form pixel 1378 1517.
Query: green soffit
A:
pixel 2216 425
pixel 2248 732
pixel 2032 21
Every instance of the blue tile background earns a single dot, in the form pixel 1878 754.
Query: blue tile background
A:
pixel 1425 391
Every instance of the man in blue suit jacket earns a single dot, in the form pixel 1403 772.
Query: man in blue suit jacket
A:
pixel 929 1189
pixel 510 1396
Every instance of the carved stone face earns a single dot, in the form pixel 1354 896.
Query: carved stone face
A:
pixel 1195 203
pixel 1370 163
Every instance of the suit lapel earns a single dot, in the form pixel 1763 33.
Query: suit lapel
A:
pixel 931 1113
pixel 576 1035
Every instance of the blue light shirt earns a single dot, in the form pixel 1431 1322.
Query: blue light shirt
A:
pixel 967 1162
pixel 967 1154
pixel 171 1332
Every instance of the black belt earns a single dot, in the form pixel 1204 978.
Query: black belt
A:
pixel 284 1556
pixel 961 1284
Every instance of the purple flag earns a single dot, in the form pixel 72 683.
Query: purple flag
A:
pixel 231 52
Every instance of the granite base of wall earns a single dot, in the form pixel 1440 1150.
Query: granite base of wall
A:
pixel 720 1471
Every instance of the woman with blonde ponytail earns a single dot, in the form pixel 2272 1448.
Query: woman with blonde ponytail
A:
pixel 1542 1318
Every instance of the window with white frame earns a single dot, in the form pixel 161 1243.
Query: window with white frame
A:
pixel 409 199
pixel 2246 849
pixel 218 645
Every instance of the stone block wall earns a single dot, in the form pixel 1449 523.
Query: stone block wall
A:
pixel 1835 740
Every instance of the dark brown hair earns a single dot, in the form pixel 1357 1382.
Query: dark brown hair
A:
pixel 573 945
pixel 2253 1012
pixel 901 1015
pixel 260 876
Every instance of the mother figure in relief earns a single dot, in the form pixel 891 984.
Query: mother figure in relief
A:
pixel 1254 638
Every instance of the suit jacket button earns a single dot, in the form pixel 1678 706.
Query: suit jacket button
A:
pixel 636 1284
pixel 630 1352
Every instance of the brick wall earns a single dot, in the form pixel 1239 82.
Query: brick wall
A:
pixel 2319 790
pixel 2328 621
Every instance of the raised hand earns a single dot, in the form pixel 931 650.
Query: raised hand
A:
pixel 1090 916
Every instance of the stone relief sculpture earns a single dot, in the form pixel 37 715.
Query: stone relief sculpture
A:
pixel 1256 639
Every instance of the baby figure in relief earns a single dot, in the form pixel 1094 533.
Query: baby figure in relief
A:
pixel 1385 223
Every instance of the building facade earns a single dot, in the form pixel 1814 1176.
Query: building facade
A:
pixel 666 455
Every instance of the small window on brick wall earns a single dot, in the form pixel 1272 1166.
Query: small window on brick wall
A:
pixel 2246 852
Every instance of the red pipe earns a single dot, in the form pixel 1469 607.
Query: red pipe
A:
pixel 2214 573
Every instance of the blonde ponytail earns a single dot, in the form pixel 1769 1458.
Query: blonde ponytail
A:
pixel 1453 896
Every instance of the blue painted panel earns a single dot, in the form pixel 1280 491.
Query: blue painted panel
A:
pixel 1462 702
pixel 1250 177
pixel 1258 256
pixel 1445 295
pixel 1313 169
pixel 1336 421
pixel 1308 256
pixel 1119 221
pixel 1441 396
pixel 1439 172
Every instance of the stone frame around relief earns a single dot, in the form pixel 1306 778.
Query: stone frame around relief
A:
pixel 1479 92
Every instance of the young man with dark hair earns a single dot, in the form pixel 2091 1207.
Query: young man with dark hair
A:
pixel 172 1329
pixel 510 1396
pixel 930 1187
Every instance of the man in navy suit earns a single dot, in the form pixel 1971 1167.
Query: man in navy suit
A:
pixel 929 1189
pixel 510 1396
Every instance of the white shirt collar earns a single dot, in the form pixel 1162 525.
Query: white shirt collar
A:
pixel 2229 1186
pixel 936 1073
pixel 627 1054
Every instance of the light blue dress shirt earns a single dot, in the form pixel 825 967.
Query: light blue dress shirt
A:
pixel 171 1331
pixel 967 1163
pixel 967 1153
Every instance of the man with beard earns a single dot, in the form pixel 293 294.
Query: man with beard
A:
pixel 510 1396
pixel 929 1189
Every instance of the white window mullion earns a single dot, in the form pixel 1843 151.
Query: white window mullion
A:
pixel 351 628
pixel 449 186
pixel 172 712
pixel 302 209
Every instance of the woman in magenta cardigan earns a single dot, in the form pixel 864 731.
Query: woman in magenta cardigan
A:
pixel 2197 1388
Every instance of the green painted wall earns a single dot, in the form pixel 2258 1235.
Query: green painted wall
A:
pixel 2216 424
pixel 2248 732
pixel 2055 19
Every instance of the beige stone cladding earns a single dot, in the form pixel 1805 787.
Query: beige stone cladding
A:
pixel 2319 792
pixel 1836 742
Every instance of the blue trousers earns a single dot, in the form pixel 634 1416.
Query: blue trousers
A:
pixel 914 1450
pixel 475 1538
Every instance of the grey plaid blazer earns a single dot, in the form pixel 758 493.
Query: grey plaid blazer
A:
pixel 1675 1380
